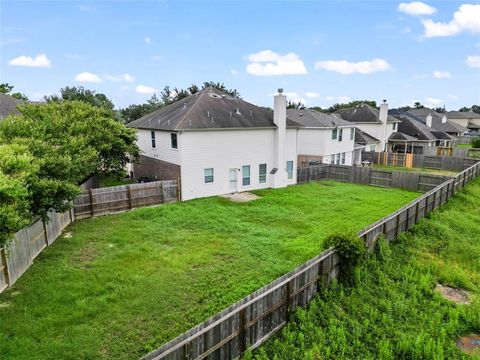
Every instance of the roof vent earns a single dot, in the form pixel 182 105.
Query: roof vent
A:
pixel 190 122
pixel 301 114
pixel 223 95
pixel 212 120
pixel 184 105
pixel 230 114
pixel 251 112
pixel 237 111
pixel 208 113
pixel 169 122
pixel 280 91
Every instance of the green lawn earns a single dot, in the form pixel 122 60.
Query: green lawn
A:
pixel 124 284
pixel 419 170
pixel 114 181
pixel 393 311
pixel 464 146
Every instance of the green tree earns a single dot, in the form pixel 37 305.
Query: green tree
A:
pixel 351 104
pixel 464 109
pixel 440 109
pixel 79 93
pixel 418 105
pixel 294 105
pixel 134 111
pixel 221 87
pixel 7 89
pixel 476 109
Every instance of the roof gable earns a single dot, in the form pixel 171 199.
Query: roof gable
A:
pixel 363 114
pixel 314 119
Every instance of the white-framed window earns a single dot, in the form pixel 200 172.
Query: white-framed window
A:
pixel 352 133
pixel 152 136
pixel 262 173
pixel 343 158
pixel 337 160
pixel 334 134
pixel 208 175
pixel 173 140
pixel 332 159
pixel 290 169
pixel 340 134
pixel 246 175
pixel 372 147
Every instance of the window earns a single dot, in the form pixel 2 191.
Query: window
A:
pixel 246 175
pixel 337 159
pixel 173 140
pixel 290 169
pixel 343 158
pixel 340 134
pixel 394 126
pixel 208 175
pixel 332 159
pixel 334 134
pixel 262 173
pixel 372 147
pixel 352 133
pixel 152 133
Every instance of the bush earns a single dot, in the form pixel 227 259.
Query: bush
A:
pixel 476 142
pixel 351 249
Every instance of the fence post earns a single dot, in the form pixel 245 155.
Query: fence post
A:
pixel 397 226
pixel 92 210
pixel 242 334
pixel 187 349
pixel 179 189
pixel 129 192
pixel 287 301
pixel 5 267
pixel 45 231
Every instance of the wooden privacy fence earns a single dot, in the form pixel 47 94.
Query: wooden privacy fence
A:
pixel 252 320
pixel 370 176
pixel 18 256
pixel 448 163
pixel 94 202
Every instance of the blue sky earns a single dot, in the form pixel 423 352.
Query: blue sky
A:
pixel 322 52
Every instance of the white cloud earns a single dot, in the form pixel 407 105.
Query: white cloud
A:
pixel 123 77
pixel 147 40
pixel 142 89
pixel 312 95
pixel 473 61
pixel 234 72
pixel 416 8
pixel 157 57
pixel 270 63
pixel 346 68
pixel 432 102
pixel 465 19
pixel 441 74
pixel 41 60
pixel 88 77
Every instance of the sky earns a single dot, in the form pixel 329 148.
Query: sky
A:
pixel 319 52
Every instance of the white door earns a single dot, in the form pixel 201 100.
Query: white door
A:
pixel 233 180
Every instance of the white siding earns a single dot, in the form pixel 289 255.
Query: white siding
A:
pixel 378 132
pixel 223 150
pixel 319 142
pixel 163 149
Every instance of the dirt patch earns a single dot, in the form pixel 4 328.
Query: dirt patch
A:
pixel 241 197
pixel 67 235
pixel 458 296
pixel 85 257
pixel 470 344
pixel 4 305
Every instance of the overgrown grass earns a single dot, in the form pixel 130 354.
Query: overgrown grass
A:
pixel 393 312
pixel 418 170
pixel 464 146
pixel 123 285
pixel 114 181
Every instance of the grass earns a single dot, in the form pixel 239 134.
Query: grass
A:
pixel 114 181
pixel 464 146
pixel 393 311
pixel 124 284
pixel 419 170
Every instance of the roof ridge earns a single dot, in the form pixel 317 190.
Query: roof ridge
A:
pixel 190 110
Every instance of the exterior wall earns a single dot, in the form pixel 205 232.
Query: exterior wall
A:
pixel 163 150
pixel 155 169
pixel 378 132
pixel 462 122
pixel 227 149
pixel 319 142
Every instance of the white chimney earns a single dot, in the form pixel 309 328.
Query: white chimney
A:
pixel 383 116
pixel 280 119
pixel 428 121
pixel 444 119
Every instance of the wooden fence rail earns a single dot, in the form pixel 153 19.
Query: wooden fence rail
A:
pixel 18 256
pixel 252 320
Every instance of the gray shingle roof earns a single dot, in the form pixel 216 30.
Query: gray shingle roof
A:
pixel 208 109
pixel 363 114
pixel 361 137
pixel 401 136
pixel 462 115
pixel 449 126
pixel 8 105
pixel 314 119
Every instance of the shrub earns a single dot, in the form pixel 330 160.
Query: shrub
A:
pixel 476 142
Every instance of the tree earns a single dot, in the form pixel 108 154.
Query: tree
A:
pixel 336 107
pixel 405 108
pixel 464 109
pixel 79 93
pixel 7 89
pixel 476 109
pixel 440 109
pixel 417 105
pixel 221 87
pixel 68 141
pixel 294 105
pixel 134 112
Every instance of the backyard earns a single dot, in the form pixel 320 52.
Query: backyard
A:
pixel 120 286
pixel 394 312
pixel 418 170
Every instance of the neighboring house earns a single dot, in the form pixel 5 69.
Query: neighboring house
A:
pixel 376 123
pixel 467 119
pixel 323 138
pixel 365 141
pixel 8 106
pixel 217 144
pixel 437 122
